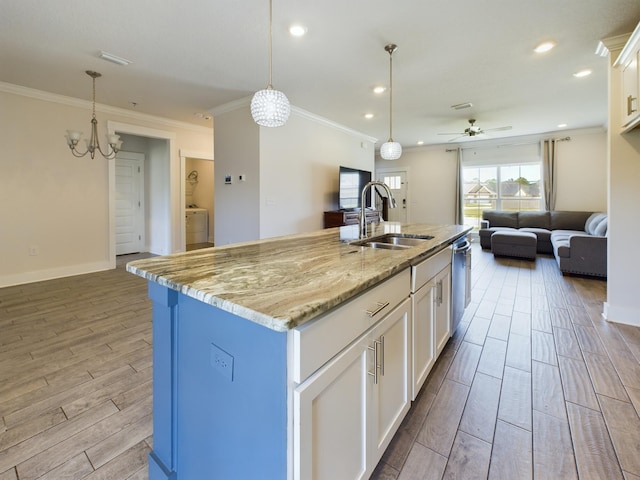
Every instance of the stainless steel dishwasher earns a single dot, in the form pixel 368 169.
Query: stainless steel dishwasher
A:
pixel 460 280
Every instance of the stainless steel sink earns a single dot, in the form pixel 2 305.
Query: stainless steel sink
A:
pixel 393 241
pixel 385 246
pixel 397 239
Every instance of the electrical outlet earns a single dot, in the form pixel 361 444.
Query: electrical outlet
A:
pixel 34 250
pixel 222 361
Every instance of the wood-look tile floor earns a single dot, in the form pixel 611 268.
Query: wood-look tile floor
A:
pixel 534 384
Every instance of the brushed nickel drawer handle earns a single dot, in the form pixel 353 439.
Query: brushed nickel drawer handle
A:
pixel 376 366
pixel 381 306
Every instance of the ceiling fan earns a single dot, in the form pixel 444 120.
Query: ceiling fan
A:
pixel 472 130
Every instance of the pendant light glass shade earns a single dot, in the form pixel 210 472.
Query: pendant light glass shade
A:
pixel 390 150
pixel 270 107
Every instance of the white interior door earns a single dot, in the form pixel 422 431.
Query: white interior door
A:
pixel 129 203
pixel 397 183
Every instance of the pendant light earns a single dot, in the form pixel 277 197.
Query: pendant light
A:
pixel 270 107
pixel 390 150
pixel 93 144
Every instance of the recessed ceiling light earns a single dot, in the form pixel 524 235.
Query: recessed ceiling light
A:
pixel 582 73
pixel 368 116
pixel 297 30
pixel 420 142
pixel 544 47
pixel 562 125
pixel 379 89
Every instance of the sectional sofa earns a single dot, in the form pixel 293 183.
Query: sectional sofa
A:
pixel 578 240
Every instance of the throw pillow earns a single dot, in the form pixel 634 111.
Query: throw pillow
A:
pixel 601 228
pixel 593 221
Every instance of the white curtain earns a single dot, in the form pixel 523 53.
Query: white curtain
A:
pixel 549 157
pixel 459 201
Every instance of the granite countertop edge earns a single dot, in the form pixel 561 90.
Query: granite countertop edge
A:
pixel 282 282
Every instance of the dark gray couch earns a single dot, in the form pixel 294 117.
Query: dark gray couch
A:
pixel 578 240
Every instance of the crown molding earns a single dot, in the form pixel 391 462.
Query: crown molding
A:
pixel 106 109
pixel 300 112
pixel 632 42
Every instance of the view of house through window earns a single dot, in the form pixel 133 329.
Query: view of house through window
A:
pixel 500 187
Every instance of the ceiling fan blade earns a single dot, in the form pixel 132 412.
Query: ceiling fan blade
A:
pixel 457 138
pixel 498 128
pixel 454 133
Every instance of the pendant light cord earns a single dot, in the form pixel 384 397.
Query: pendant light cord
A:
pixel 390 94
pixel 270 44
pixel 94 96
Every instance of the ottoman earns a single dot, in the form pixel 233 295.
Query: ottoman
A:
pixel 514 244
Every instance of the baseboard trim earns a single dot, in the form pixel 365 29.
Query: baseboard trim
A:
pixel 53 273
pixel 624 315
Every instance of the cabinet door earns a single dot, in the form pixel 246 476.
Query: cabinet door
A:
pixel 331 423
pixel 392 393
pixel 442 309
pixel 630 89
pixel 423 357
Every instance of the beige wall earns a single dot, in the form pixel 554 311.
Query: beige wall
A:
pixel 582 177
pixel 291 173
pixel 57 205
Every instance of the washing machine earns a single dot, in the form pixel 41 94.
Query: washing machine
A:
pixel 197 225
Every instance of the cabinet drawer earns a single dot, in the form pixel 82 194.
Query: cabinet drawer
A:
pixel 319 340
pixel 425 271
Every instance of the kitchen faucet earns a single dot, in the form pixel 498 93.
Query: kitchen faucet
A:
pixel 392 204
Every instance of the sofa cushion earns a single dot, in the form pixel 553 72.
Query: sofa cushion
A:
pixel 569 220
pixel 593 221
pixel 543 234
pixel 601 229
pixel 498 218
pixel 559 235
pixel 534 220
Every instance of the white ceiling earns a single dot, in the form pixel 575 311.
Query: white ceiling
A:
pixel 194 55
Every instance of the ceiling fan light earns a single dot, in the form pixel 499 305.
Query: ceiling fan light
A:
pixel 270 108
pixel 390 150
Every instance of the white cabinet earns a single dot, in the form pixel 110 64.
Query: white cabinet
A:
pixel 431 299
pixel 392 392
pixel 346 413
pixel 442 317
pixel 628 62
pixel 630 90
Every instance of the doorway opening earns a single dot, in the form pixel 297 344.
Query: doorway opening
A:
pixel 199 203
pixel 397 182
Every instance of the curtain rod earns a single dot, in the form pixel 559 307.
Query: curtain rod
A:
pixel 564 139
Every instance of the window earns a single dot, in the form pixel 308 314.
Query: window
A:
pixel 393 182
pixel 509 187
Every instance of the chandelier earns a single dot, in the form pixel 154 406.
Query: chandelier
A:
pixel 270 107
pixel 390 150
pixel 93 144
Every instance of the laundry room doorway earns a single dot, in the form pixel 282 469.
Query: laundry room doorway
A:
pixel 198 195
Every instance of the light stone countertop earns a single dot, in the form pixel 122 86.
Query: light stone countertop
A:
pixel 282 282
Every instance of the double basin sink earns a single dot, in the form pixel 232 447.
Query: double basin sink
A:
pixel 393 241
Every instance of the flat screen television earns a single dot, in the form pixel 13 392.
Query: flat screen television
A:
pixel 352 181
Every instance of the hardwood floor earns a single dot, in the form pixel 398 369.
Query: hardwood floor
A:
pixel 534 384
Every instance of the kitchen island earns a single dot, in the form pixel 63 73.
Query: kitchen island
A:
pixel 291 357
